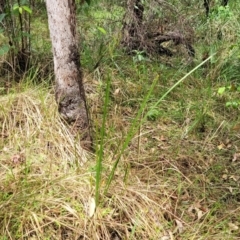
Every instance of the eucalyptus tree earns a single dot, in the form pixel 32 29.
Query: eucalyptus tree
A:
pixel 69 90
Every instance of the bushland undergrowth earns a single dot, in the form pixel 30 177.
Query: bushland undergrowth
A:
pixel 176 176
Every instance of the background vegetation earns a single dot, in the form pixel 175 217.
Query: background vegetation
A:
pixel 164 166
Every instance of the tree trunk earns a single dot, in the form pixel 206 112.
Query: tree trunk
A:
pixel 70 94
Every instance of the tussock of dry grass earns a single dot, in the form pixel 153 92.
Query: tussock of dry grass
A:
pixel 38 177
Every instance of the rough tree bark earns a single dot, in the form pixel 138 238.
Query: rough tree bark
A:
pixel 69 91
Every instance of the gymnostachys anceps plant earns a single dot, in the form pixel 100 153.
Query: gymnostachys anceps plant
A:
pixel 136 123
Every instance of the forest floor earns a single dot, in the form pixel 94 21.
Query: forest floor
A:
pixel 178 174
pixel 178 178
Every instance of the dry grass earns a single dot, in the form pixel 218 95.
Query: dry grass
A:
pixel 164 188
pixel 45 188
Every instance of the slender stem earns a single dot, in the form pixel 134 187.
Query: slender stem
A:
pixel 100 152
